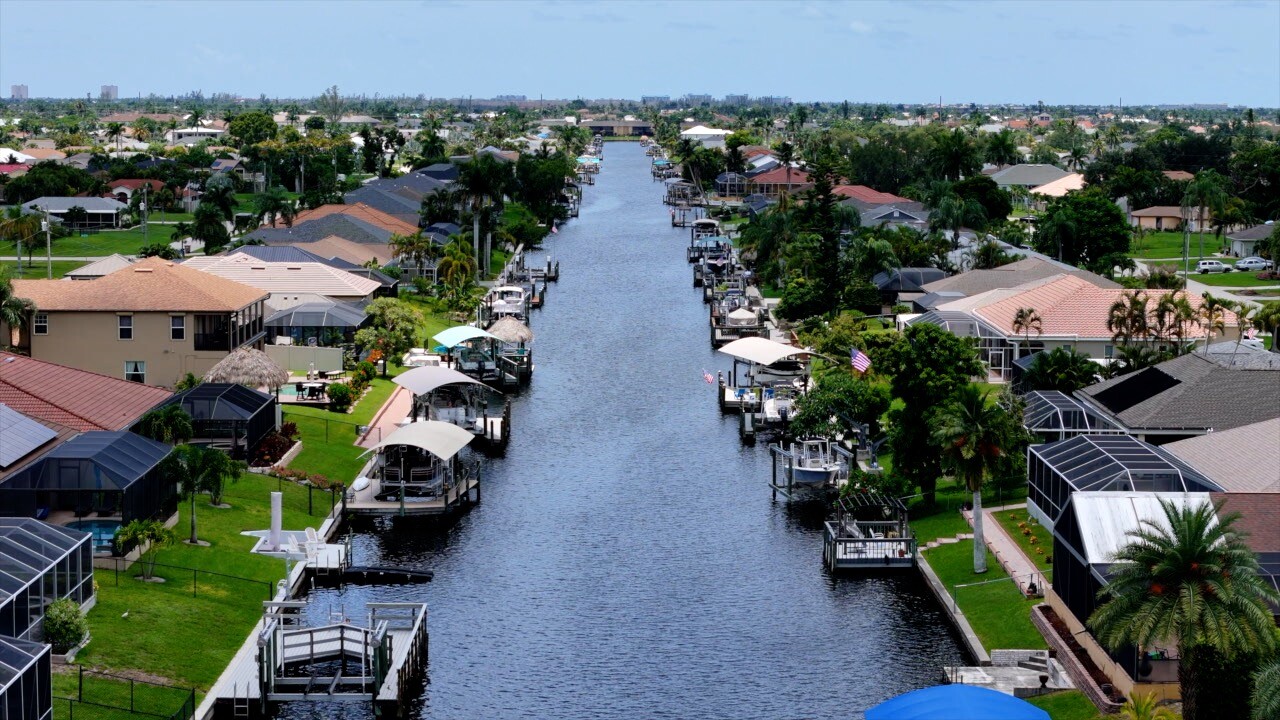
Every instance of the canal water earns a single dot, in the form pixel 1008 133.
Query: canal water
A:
pixel 627 560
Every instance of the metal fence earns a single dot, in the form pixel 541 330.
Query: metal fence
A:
pixel 104 696
pixel 181 573
pixel 332 431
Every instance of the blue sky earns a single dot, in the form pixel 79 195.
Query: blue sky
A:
pixel 1076 52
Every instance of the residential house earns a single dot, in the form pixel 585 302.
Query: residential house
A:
pixel 444 172
pixel 731 183
pixel 1166 217
pixel 1194 394
pixel 1240 460
pixel 99 212
pixel 780 181
pixel 349 235
pixel 1244 243
pixel 99 268
pixel 868 196
pixel 287 276
pixel 192 135
pixel 389 286
pixel 705 136
pixel 1073 314
pixel 1179 175
pixel 894 284
pixel 1027 175
pixel 1020 272
pixel 123 190
pixel 1061 186
pixel 360 211
pixel 400 197
pixel 151 322
pixel 908 214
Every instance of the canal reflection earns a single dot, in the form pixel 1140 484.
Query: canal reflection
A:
pixel 627 561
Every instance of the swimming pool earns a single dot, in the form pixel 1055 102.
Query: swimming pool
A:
pixel 103 532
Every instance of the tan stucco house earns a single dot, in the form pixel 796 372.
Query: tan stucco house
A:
pixel 151 322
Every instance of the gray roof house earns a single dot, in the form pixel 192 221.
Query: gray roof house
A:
pixel 1244 242
pixel 102 212
pixel 399 197
pixel 1242 459
pixel 1017 273
pixel 1195 394
pixel 337 224
pixel 1028 175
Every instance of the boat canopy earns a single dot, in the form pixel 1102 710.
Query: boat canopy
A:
pixel 761 350
pixel 455 336
pixel 441 439
pixel 742 314
pixel 422 380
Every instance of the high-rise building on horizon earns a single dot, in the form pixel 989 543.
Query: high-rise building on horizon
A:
pixel 737 99
pixel 18 92
pixel 655 99
pixel 695 100
pixel 109 92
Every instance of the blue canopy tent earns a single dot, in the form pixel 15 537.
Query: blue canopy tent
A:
pixel 956 702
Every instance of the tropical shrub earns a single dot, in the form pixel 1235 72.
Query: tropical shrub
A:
pixel 366 371
pixel 64 625
pixel 340 397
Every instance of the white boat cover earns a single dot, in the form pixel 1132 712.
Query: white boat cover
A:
pixel 762 350
pixel 455 336
pixel 438 438
pixel 422 380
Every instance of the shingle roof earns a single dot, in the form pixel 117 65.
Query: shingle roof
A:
pixel 99 268
pixel 134 184
pixel 778 176
pixel 1205 392
pixel 358 253
pixel 1158 211
pixel 63 204
pixel 341 225
pixel 1030 175
pixel 1242 459
pixel 1257 232
pixel 370 215
pixel 286 277
pixel 1012 275
pixel 149 285
pixel 62 396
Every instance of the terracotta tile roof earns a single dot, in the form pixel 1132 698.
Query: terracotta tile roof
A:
pixel 45 153
pixel 134 184
pixel 750 151
pixel 149 285
pixel 1179 175
pixel 778 176
pixel 352 252
pixel 58 395
pixel 868 195
pixel 1018 124
pixel 9 168
pixel 1068 306
pixel 359 210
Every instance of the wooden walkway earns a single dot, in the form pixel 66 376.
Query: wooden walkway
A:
pixel 365 502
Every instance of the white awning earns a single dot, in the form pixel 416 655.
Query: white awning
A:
pixel 441 439
pixel 761 350
pixel 422 380
pixel 455 336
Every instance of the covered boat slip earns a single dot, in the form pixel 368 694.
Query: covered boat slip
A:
pixel 870 532
pixel 446 395
pixel 499 358
pixel 737 314
pixel 759 364
pixel 417 471
pixel 809 468
pixel 707 246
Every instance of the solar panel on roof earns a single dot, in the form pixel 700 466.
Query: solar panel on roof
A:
pixel 1142 386
pixel 19 435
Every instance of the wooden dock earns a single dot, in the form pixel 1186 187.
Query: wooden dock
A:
pixel 870 532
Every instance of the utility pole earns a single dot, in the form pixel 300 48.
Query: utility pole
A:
pixel 48 244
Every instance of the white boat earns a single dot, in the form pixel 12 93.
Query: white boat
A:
pixel 785 370
pixel 508 300
pixel 779 405
pixel 813 463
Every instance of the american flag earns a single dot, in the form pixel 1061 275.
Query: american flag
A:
pixel 859 360
pixel 711 379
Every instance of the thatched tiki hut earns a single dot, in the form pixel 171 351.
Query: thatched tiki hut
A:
pixel 249 367
pixel 512 331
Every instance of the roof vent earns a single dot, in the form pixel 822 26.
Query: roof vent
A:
pixel 142 269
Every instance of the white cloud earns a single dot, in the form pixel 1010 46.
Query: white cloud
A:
pixel 860 27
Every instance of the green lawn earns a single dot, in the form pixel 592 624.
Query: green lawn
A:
pixel 159 628
pixel 119 693
pixel 947 523
pixel 108 242
pixel 1067 705
pixel 1041 550
pixel 1168 245
pixel 1232 279
pixel 171 217
pixel 997 611
pixel 39 269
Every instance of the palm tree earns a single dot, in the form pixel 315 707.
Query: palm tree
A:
pixel 169 424
pixel 198 469
pixel 15 312
pixel 954 213
pixel 971 434
pixel 1206 190
pixel 1002 149
pixel 954 155
pixel 1131 358
pixel 223 197
pixel 1213 316
pixel 1061 369
pixel 1075 158
pixel 272 205
pixel 456 263
pixel 1145 707
pixel 415 248
pixel 1266 692
pixel 1024 321
pixel 1127 318
pixel 1189 579
pixel 483 182
pixel 114 131
pixel 1268 319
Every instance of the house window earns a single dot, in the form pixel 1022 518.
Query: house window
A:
pixel 1108 351
pixel 126 326
pixel 177 327
pixel 41 324
pixel 135 371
